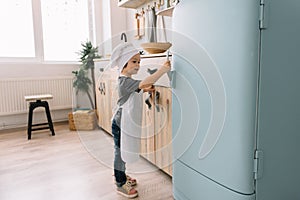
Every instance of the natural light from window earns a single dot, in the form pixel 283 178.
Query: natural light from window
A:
pixel 65 26
pixel 16 35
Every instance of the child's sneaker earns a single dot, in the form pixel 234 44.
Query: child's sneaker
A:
pixel 132 181
pixel 127 190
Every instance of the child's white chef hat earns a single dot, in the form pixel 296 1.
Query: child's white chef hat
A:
pixel 122 54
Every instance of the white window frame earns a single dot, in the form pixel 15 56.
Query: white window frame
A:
pixel 38 36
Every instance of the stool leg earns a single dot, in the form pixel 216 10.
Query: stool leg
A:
pixel 31 107
pixel 49 118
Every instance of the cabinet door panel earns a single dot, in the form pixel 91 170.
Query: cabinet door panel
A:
pixel 163 132
pixel 107 96
pixel 148 139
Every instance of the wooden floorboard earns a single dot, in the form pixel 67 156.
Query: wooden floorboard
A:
pixel 70 165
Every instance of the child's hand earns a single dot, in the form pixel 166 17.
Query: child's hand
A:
pixel 167 66
pixel 149 89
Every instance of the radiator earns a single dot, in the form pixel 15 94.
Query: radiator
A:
pixel 13 91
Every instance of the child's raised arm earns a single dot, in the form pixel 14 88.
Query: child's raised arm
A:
pixel 150 80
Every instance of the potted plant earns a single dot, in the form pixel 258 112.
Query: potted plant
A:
pixel 82 81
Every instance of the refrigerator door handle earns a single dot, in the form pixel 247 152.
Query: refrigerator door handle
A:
pixel 171 76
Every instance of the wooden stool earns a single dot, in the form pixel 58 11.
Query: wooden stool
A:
pixel 39 103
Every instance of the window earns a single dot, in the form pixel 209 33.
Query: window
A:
pixel 17 34
pixel 65 26
pixel 46 30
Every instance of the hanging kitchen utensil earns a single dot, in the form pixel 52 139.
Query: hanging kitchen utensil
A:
pixel 164 28
pixel 147 23
pixel 153 36
pixel 142 22
pixel 167 3
pixel 161 29
pixel 137 25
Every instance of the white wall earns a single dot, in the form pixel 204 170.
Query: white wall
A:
pixel 21 70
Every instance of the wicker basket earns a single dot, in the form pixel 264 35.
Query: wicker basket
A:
pixel 82 120
pixel 71 122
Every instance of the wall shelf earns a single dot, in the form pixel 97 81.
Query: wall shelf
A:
pixel 132 3
pixel 166 12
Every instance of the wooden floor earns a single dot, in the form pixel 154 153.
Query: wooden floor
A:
pixel 71 165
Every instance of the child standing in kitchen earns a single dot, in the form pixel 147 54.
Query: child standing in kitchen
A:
pixel 125 128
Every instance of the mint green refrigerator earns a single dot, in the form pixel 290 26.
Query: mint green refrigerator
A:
pixel 236 100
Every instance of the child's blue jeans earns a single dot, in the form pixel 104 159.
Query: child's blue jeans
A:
pixel 119 164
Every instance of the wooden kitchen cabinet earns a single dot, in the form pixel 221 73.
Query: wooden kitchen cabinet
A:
pixel 156 143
